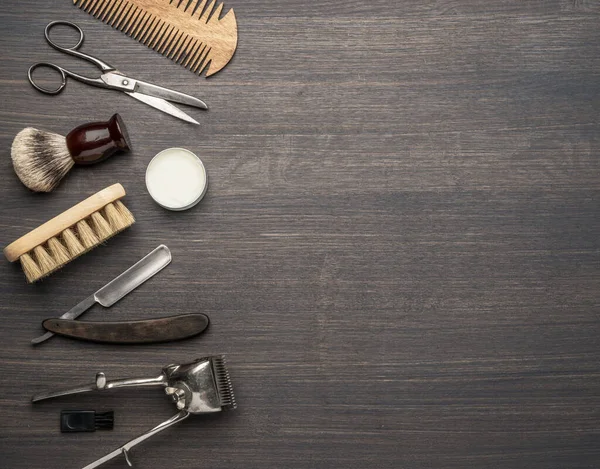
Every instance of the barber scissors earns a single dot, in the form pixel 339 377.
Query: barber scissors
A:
pixel 153 95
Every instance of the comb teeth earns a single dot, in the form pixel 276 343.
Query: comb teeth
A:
pixel 76 240
pixel 189 32
pixel 224 386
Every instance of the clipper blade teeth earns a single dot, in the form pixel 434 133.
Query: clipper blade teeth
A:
pixel 224 386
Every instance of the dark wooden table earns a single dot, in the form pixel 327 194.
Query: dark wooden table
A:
pixel 399 249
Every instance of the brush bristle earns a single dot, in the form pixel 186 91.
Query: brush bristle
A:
pixel 224 386
pixel 58 251
pixel 73 244
pixel 116 218
pixel 44 260
pixel 101 226
pixel 86 235
pixel 125 216
pixel 30 268
pixel 41 159
pixel 74 241
pixel 104 420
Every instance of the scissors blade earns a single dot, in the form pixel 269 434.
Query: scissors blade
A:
pixel 170 95
pixel 162 105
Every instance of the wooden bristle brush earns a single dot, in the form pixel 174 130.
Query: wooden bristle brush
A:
pixel 188 32
pixel 41 159
pixel 71 234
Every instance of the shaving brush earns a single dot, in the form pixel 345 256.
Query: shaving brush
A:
pixel 41 159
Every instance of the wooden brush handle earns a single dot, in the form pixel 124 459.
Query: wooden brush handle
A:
pixel 63 221
pixel 96 141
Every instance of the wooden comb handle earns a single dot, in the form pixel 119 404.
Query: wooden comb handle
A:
pixel 63 221
pixel 96 141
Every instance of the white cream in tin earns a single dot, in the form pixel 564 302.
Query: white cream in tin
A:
pixel 176 179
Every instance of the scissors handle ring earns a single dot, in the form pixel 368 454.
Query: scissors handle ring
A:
pixel 52 66
pixel 73 50
pixel 50 25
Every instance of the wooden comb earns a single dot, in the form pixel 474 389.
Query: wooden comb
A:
pixel 187 31
pixel 71 234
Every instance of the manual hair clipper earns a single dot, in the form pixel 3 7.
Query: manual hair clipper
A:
pixel 200 387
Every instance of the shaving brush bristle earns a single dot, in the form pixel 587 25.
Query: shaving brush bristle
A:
pixel 41 159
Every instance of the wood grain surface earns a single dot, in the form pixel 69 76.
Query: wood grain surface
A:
pixel 399 249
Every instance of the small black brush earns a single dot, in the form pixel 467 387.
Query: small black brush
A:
pixel 72 421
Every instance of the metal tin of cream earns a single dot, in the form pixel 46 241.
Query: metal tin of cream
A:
pixel 176 179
